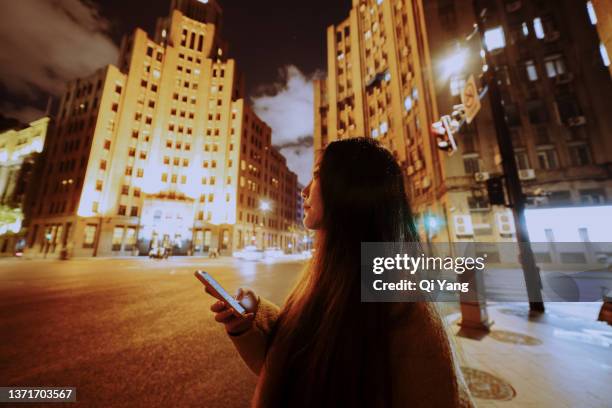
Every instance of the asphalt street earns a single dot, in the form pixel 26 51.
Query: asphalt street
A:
pixel 128 332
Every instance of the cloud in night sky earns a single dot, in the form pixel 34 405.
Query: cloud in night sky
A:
pixel 287 106
pixel 47 43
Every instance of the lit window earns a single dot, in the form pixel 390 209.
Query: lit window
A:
pixel 408 103
pixel 494 38
pixel 532 72
pixel 547 158
pixel 591 11
pixel 538 27
pixel 555 65
pixel 375 132
pixel 384 127
pixel 525 29
pixel 89 235
pixel 604 55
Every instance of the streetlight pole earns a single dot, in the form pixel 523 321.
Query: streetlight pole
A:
pixel 264 207
pixel 531 271
pixel 97 238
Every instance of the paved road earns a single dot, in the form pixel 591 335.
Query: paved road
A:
pixel 128 332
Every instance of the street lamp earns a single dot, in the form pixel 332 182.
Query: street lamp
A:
pixel 264 207
pixel 493 40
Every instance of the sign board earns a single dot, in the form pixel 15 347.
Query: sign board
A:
pixel 470 99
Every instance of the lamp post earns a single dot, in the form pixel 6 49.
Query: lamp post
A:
pixel 97 238
pixel 264 208
pixel 493 39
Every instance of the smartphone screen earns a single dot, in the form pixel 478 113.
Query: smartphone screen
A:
pixel 208 280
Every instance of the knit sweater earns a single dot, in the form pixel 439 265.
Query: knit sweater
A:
pixel 424 373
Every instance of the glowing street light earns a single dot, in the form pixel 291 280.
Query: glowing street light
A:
pixel 454 63
pixel 265 206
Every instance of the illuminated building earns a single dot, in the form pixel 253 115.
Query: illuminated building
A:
pixel 600 15
pixel 162 150
pixel 556 93
pixel 19 146
pixel 395 66
pixel 377 85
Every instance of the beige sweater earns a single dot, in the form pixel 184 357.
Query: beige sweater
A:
pixel 421 376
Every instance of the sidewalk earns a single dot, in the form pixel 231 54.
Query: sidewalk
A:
pixel 562 358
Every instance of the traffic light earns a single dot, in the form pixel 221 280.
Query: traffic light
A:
pixel 495 189
pixel 443 131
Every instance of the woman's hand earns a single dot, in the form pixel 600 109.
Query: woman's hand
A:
pixel 236 324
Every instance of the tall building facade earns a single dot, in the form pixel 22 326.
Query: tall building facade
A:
pixel 20 146
pixel 600 15
pixel 379 85
pixel 395 66
pixel 162 150
pixel 555 87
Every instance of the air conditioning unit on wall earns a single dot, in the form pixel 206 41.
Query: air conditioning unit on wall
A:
pixel 505 224
pixel 481 176
pixel 526 174
pixel 463 225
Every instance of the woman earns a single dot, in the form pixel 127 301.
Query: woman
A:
pixel 325 347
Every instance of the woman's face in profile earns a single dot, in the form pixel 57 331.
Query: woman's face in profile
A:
pixel 313 204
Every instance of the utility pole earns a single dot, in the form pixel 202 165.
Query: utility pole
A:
pixel 531 271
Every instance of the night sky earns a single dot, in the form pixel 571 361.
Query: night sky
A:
pixel 264 36
pixel 279 45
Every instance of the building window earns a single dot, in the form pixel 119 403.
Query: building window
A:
pixel 164 177
pixel 102 164
pixel 121 210
pixel 99 185
pixel 538 28
pixel 555 65
pixel 477 203
pixel 107 144
pixel 593 196
pixel 532 72
pixel 89 235
pixel 140 173
pixel 134 211
pixel 132 152
pixel 130 238
pixel 471 164
pixel 560 198
pixel 521 159
pixel 136 192
pixel 125 189
pixel 117 238
pixel 547 158
pixel 537 111
pixel 605 58
pixel 580 154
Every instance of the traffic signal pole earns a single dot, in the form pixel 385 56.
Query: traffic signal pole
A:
pixel 531 271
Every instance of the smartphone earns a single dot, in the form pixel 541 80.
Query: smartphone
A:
pixel 217 289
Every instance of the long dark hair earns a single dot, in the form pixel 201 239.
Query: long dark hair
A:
pixel 328 348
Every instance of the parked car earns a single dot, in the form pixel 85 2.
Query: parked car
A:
pixel 249 253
